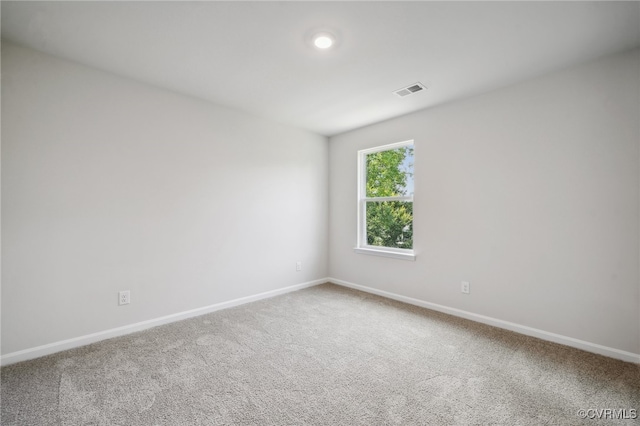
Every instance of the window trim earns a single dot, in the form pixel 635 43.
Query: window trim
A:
pixel 361 245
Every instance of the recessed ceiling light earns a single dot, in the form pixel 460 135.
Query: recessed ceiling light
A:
pixel 323 40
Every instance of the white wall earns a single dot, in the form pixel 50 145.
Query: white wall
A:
pixel 531 193
pixel 109 184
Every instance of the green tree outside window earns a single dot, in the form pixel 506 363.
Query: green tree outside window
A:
pixel 389 173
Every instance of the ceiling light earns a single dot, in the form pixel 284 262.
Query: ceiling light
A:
pixel 323 40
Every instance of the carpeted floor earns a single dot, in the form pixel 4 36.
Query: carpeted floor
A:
pixel 324 355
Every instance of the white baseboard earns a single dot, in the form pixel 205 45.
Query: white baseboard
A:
pixel 75 342
pixel 51 348
pixel 522 329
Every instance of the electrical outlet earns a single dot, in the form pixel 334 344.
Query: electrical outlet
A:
pixel 298 266
pixel 465 287
pixel 124 297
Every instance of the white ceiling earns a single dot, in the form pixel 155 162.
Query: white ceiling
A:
pixel 254 56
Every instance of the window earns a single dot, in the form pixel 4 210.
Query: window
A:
pixel 385 201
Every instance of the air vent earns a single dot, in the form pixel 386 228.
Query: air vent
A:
pixel 410 90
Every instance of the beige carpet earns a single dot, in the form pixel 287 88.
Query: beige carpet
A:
pixel 325 355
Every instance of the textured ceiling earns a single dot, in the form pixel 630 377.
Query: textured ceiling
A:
pixel 255 56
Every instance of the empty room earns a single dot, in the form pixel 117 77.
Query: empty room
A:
pixel 323 213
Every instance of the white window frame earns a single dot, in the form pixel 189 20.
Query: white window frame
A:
pixel 362 247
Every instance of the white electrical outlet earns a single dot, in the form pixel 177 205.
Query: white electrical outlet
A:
pixel 465 287
pixel 298 266
pixel 124 297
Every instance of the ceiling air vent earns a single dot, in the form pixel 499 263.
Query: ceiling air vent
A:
pixel 410 90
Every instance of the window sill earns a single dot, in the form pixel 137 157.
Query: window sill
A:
pixel 385 253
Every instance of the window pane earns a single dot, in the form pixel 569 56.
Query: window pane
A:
pixel 390 224
pixel 390 173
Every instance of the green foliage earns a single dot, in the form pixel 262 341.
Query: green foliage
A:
pixel 389 223
pixel 385 175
